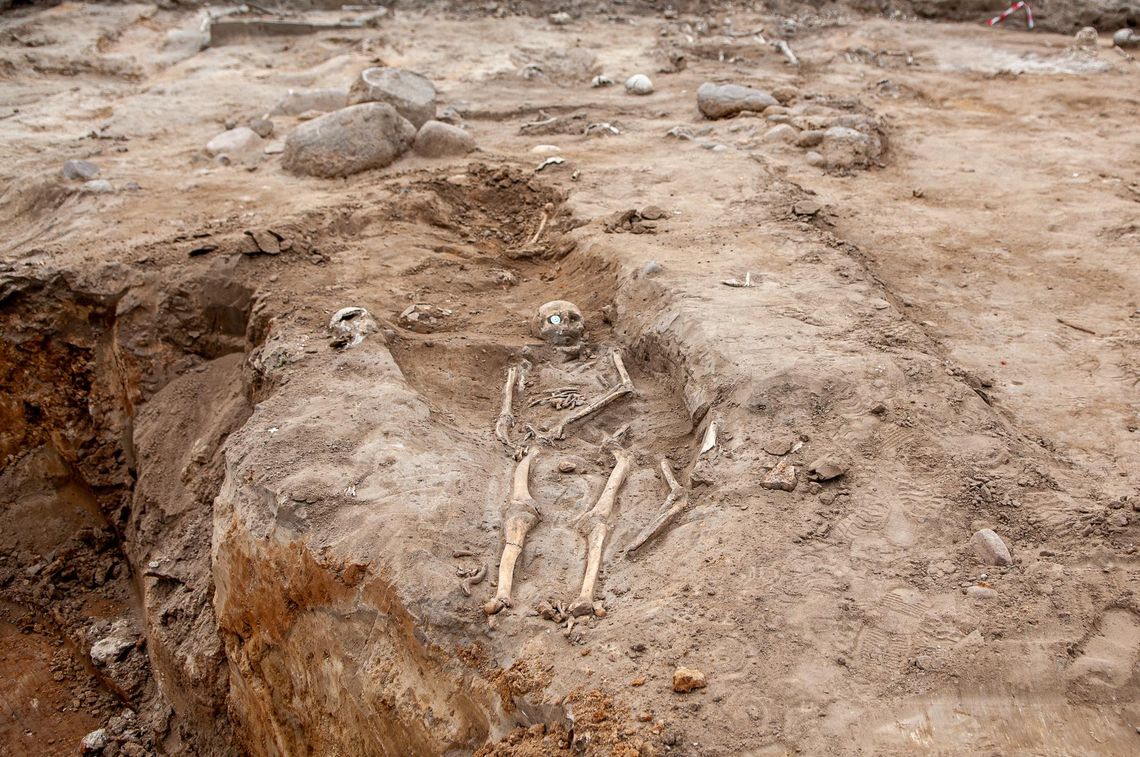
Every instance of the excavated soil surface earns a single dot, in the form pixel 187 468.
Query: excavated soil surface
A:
pixel 227 529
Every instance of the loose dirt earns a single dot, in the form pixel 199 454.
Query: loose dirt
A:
pixel 226 532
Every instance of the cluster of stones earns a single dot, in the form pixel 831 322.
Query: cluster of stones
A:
pixel 833 140
pixel 384 114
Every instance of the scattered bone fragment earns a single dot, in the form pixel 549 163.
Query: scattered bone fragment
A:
pixel 782 477
pixel 990 548
pixel 601 80
pixel 471 579
pixel 424 318
pixel 734 282
pixel 786 50
pixel 981 592
pixel 560 19
pixel 350 325
pixel 688 679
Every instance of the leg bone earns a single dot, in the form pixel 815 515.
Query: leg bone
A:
pixel 677 501
pixel 598 516
pixel 520 517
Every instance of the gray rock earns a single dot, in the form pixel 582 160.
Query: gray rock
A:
pixel 990 548
pixel 1126 37
pixel 809 138
pixel 351 140
pixel 813 158
pixel 80 169
pixel 412 95
pixel 95 742
pixel 262 127
pixel 639 84
pixel 560 19
pixel 781 133
pixel 97 187
pixel 298 101
pixel 724 100
pixel 233 142
pixel 651 268
pixel 843 147
pixel 436 140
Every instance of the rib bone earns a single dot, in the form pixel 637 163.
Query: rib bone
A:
pixel 677 501
pixel 520 516
pixel 598 519
pixel 624 387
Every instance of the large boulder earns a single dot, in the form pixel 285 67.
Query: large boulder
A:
pixel 437 140
pixel 412 95
pixel 725 100
pixel 348 141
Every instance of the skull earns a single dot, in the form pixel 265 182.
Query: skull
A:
pixel 559 323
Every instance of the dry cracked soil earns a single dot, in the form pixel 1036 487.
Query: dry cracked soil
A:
pixel 229 530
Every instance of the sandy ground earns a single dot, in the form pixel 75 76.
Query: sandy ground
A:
pixel 960 322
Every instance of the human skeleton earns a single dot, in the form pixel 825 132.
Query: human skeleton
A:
pixel 561 327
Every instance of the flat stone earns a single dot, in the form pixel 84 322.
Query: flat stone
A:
pixel 687 679
pixel 233 142
pixel 80 169
pixel 980 592
pixel 724 100
pixel 351 140
pixel 990 548
pixel 827 467
pixel 437 140
pixel 412 95
pixel 813 158
pixel 298 101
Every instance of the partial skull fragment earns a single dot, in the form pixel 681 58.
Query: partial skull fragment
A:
pixel 350 325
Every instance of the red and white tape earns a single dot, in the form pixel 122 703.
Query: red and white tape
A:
pixel 1010 11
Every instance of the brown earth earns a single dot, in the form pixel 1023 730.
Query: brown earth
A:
pixel 267 529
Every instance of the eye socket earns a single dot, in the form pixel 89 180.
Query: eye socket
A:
pixel 575 317
pixel 555 319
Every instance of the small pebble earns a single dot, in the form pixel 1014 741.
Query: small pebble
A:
pixel 651 268
pixel 80 169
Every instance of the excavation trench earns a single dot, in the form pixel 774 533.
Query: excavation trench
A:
pixel 223 516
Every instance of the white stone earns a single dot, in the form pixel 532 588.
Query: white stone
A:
pixel 639 84
pixel 233 142
pixel 990 548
